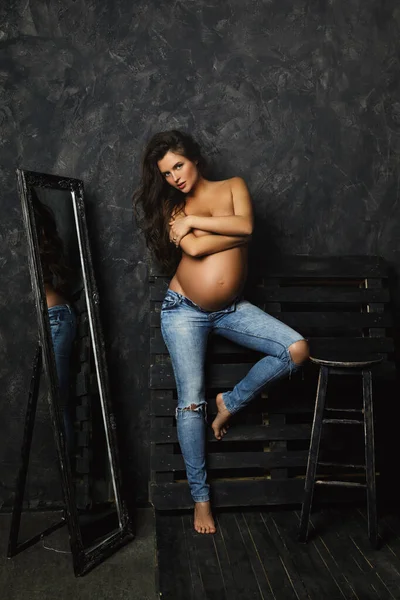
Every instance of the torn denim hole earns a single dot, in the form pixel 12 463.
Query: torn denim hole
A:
pixel 202 407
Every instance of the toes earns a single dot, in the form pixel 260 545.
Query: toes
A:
pixel 217 434
pixel 205 529
pixel 211 529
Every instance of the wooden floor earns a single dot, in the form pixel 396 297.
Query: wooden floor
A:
pixel 255 555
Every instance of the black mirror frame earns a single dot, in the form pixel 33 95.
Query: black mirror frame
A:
pixel 83 559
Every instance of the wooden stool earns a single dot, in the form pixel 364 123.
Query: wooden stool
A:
pixel 361 367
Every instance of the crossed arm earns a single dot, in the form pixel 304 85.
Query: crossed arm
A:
pixel 223 233
pixel 210 244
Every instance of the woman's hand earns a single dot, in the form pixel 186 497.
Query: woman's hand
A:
pixel 179 227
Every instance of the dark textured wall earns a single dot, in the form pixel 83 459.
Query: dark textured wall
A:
pixel 301 98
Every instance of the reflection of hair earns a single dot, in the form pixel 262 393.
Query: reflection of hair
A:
pixel 157 199
pixel 51 247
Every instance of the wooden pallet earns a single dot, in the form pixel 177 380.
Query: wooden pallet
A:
pixel 341 304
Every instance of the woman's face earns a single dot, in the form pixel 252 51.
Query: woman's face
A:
pixel 179 171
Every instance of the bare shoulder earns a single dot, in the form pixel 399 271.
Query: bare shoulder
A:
pixel 240 196
pixel 237 183
pixel 233 183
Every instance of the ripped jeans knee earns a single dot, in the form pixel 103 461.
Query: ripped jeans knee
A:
pixel 199 409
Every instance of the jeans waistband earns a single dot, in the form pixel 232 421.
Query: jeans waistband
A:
pixel 188 302
pixel 60 308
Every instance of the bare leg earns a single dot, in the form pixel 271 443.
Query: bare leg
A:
pixel 203 519
pixel 219 425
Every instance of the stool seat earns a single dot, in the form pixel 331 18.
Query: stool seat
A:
pixel 346 361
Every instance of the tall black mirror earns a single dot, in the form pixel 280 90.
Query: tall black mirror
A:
pixel 71 353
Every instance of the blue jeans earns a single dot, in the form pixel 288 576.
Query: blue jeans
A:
pixel 185 328
pixel 63 330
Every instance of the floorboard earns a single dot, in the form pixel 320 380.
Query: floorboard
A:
pixel 279 571
pixel 384 567
pixel 336 545
pixel 255 555
pixel 245 579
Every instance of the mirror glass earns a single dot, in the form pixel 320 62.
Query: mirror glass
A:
pixel 86 439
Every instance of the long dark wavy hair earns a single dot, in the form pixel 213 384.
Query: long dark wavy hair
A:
pixel 155 199
pixel 51 247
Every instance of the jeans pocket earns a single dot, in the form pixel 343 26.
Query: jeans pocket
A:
pixel 54 320
pixel 55 327
pixel 169 302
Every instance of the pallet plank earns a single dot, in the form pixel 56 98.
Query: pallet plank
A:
pixel 235 460
pixel 312 294
pixel 292 265
pixel 225 493
pixel 289 404
pixel 226 376
pixel 239 433
pixel 318 295
pixel 321 320
pixel 340 267
pixel 362 345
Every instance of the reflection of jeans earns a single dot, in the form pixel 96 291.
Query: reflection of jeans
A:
pixel 185 328
pixel 63 329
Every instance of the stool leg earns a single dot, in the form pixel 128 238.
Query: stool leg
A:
pixel 313 453
pixel 370 457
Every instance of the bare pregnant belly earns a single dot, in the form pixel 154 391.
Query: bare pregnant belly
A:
pixel 214 281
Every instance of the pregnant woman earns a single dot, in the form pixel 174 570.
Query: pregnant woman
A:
pixel 199 230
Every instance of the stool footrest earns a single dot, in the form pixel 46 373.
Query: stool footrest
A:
pixel 343 421
pixel 342 410
pixel 346 466
pixel 349 484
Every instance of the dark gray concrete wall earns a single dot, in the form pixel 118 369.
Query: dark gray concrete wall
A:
pixel 301 98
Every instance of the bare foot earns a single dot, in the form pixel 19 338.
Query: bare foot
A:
pixel 203 519
pixel 219 424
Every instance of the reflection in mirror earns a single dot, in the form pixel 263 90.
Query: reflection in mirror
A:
pixel 74 359
pixel 77 381
pixel 59 256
